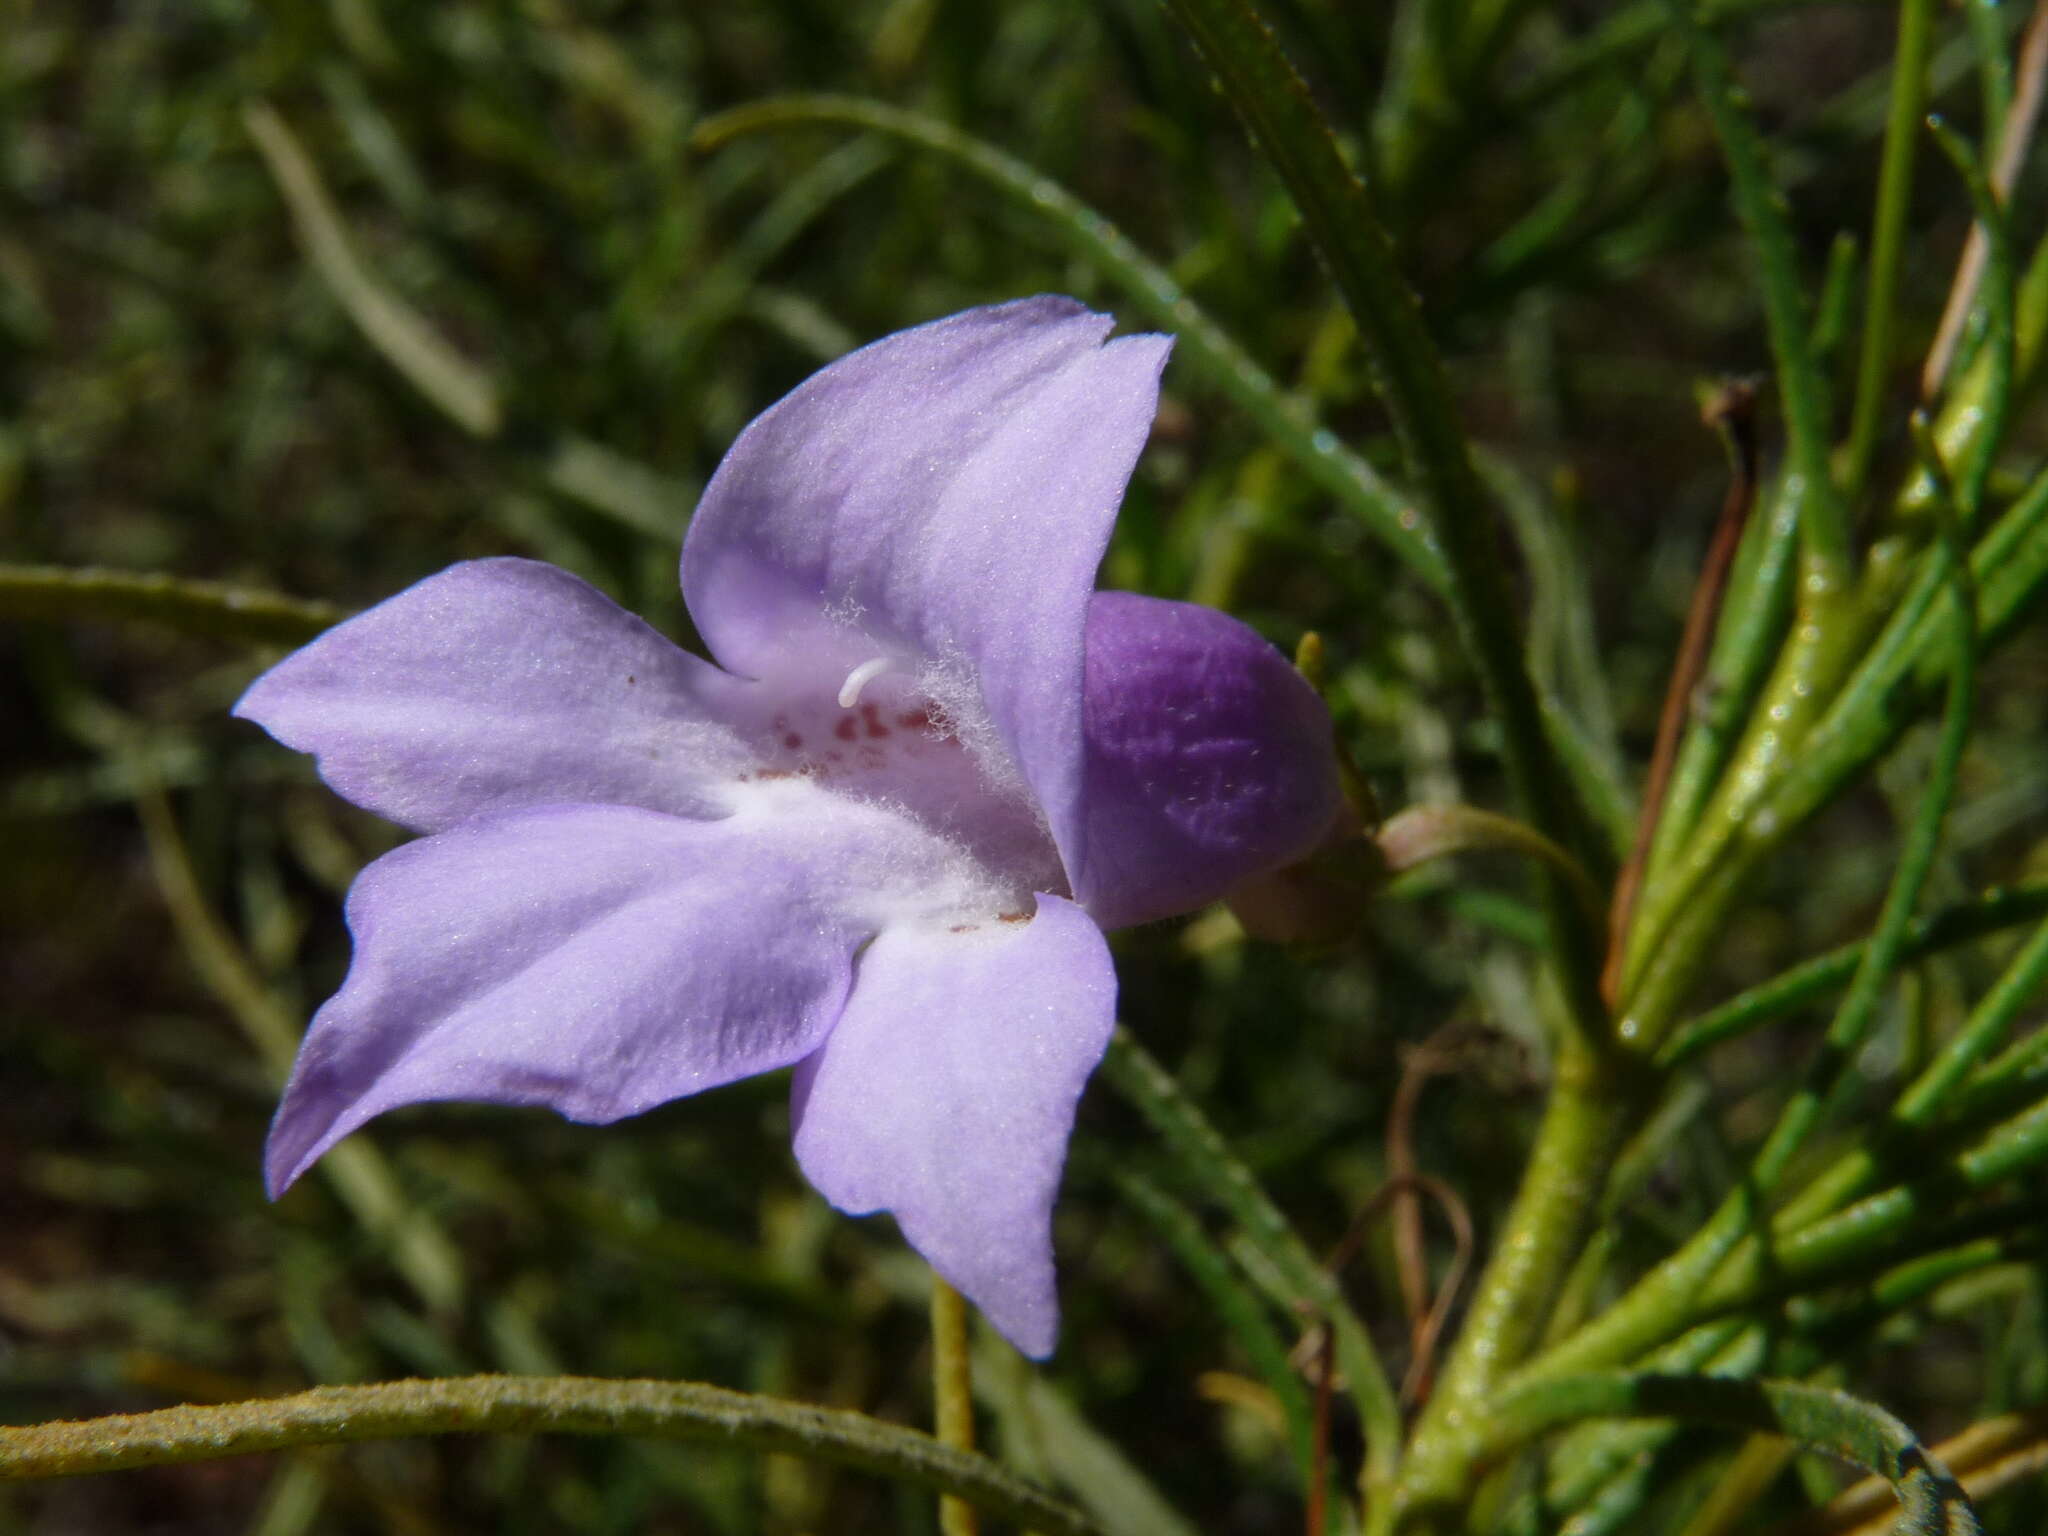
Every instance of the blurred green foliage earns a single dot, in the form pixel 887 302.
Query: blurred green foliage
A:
pixel 181 390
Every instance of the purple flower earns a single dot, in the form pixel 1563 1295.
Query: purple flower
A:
pixel 878 842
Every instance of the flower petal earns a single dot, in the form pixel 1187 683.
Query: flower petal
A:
pixel 499 684
pixel 1209 759
pixel 596 959
pixel 946 1094
pixel 941 499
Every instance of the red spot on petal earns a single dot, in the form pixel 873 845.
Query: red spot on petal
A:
pixel 1013 917
pixel 963 928
pixel 873 716
pixel 630 679
pixel 792 741
pixel 845 730
pixel 914 720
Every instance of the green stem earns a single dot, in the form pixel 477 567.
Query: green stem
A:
pixel 1657 1305
pixel 1916 857
pixel 1753 615
pixel 952 1398
pixel 1887 238
pixel 527 1405
pixel 1768 798
pixel 1884 695
pixel 1591 1110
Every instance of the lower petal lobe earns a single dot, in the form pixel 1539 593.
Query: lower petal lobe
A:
pixel 595 959
pixel 946 1095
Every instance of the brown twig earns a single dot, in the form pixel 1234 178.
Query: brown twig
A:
pixel 1435 1057
pixel 1732 410
pixel 2013 142
pixel 1319 1445
pixel 1429 1327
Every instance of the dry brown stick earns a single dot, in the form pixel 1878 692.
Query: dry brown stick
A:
pixel 1428 1327
pixel 1421 1373
pixel 1731 409
pixel 2013 143
pixel 1433 1058
pixel 1319 1457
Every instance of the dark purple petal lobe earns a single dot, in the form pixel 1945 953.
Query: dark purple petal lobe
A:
pixel 594 959
pixel 940 499
pixel 946 1095
pixel 1209 759
pixel 500 684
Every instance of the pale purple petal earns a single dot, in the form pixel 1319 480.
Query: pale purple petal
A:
pixel 499 684
pixel 595 959
pixel 1209 759
pixel 946 1095
pixel 941 500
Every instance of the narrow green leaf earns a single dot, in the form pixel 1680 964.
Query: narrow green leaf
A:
pixel 1073 1452
pixel 1803 984
pixel 1306 1288
pixel 1998 301
pixel 1860 1433
pixel 1888 239
pixel 1240 1311
pixel 1808 490
pixel 215 610
pixel 584 471
pixel 456 386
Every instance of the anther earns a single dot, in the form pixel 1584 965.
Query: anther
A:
pixel 859 678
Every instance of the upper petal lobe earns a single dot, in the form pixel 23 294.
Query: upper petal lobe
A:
pixel 941 498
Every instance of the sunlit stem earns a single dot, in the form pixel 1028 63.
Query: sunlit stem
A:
pixel 952 1397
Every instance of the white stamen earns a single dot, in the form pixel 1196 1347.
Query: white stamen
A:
pixel 859 678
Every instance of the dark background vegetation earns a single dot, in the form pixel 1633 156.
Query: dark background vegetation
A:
pixel 181 391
